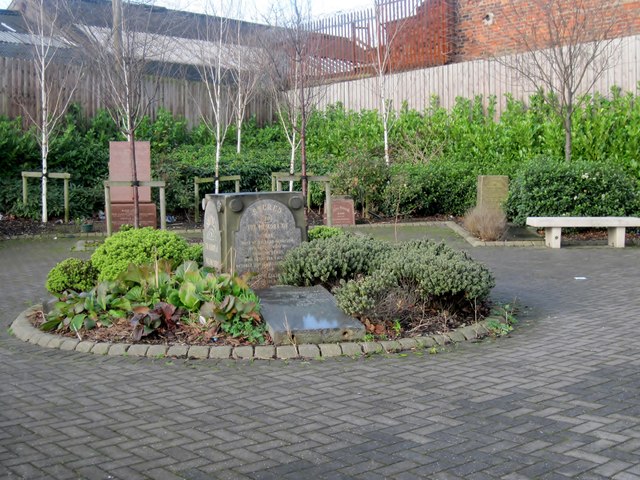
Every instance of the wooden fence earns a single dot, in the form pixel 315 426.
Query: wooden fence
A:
pixel 468 79
pixel 19 89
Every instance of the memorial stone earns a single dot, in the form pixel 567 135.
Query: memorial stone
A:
pixel 343 211
pixel 122 210
pixel 252 232
pixel 493 191
pixel 306 315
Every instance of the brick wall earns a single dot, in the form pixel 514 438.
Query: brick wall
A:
pixel 485 28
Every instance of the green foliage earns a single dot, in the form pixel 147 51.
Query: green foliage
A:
pixel 434 272
pixel 364 178
pixel 322 231
pixel 368 274
pixel 138 247
pixel 545 187
pixel 165 133
pixel 153 296
pixel 436 153
pixel 71 274
pixel 98 307
pixel 326 261
pixel 439 187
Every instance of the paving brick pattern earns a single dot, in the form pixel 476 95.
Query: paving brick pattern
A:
pixel 559 398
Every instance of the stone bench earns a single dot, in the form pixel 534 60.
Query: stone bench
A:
pixel 553 227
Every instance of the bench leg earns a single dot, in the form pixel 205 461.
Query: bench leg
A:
pixel 616 236
pixel 553 237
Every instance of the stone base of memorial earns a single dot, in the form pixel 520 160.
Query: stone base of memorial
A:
pixel 252 232
pixel 122 214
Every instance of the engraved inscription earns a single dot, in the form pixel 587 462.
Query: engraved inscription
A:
pixel 267 232
pixel 493 191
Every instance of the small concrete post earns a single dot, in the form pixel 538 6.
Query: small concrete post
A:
pixel 66 200
pixel 107 207
pixel 196 190
pixel 25 191
pixel 327 203
pixel 163 210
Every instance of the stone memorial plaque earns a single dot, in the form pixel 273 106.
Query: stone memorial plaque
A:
pixel 306 315
pixel 211 230
pixel 266 233
pixel 343 211
pixel 493 191
pixel 122 214
pixel 120 170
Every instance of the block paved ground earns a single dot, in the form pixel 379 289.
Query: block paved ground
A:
pixel 557 399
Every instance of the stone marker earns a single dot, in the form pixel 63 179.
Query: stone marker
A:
pixel 252 232
pixel 120 170
pixel 493 191
pixel 306 315
pixel 122 197
pixel 342 210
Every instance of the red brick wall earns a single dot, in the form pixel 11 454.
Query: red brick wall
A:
pixel 423 40
pixel 485 28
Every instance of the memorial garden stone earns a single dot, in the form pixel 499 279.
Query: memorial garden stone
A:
pixel 252 232
pixel 493 191
pixel 298 315
pixel 122 211
pixel 342 210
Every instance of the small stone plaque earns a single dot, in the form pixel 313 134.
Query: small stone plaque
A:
pixel 211 234
pixel 122 214
pixel 343 211
pixel 120 170
pixel 493 191
pixel 306 315
pixel 266 233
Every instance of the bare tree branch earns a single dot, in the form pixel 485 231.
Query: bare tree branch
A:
pixel 569 45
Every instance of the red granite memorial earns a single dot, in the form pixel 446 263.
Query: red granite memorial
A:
pixel 342 211
pixel 120 169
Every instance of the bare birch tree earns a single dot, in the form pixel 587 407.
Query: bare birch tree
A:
pixel 128 59
pixel 248 73
pixel 385 37
pixel 57 79
pixel 569 45
pixel 213 59
pixel 294 72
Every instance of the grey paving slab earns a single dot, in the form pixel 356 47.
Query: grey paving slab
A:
pixel 556 399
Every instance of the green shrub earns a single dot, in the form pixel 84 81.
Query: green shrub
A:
pixel 71 274
pixel 435 273
pixel 546 187
pixel 139 247
pixel 438 187
pixel 328 260
pixel 364 178
pixel 322 231
pixel 195 252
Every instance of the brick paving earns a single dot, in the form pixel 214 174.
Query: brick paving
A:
pixel 559 398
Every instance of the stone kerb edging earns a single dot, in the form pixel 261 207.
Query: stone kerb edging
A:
pixel 475 242
pixel 24 330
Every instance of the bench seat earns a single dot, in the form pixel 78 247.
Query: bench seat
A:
pixel 616 227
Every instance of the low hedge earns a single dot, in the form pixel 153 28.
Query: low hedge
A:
pixel 545 187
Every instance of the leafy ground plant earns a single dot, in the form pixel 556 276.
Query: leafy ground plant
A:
pixel 154 299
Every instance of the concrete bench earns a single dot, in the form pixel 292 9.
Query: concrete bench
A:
pixel 553 227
